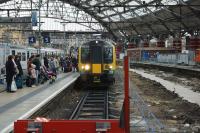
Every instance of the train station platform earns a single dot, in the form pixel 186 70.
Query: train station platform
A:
pixel 23 103
pixel 186 69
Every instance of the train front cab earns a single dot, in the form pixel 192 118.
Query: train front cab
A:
pixel 97 64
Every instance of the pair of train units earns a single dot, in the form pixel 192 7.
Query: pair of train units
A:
pixel 96 59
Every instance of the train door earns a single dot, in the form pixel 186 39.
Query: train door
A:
pixel 4 52
pixel 2 63
pixel 23 59
pixel 96 58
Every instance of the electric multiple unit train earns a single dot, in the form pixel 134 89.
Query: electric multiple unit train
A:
pixel 97 62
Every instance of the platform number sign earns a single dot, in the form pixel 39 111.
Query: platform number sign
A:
pixel 31 40
pixel 46 39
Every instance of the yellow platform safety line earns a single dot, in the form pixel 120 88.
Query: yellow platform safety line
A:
pixel 96 68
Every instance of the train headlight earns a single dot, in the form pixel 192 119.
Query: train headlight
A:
pixel 87 67
pixel 82 67
pixel 110 67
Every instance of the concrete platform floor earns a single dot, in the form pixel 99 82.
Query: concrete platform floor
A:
pixel 24 102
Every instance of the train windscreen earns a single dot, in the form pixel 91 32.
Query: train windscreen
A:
pixel 85 55
pixel 96 54
pixel 108 55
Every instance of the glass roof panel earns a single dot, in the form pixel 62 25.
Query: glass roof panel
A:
pixel 128 15
pixel 133 3
pixel 53 9
pixel 93 2
pixel 119 9
pixel 116 18
pixel 109 12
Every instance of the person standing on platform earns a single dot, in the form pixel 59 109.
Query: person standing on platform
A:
pixel 10 71
pixel 56 63
pixel 52 65
pixel 46 62
pixel 62 63
pixel 19 79
pixel 68 61
pixel 37 63
pixel 74 64
pixel 32 74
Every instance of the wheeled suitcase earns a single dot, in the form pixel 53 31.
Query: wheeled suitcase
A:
pixel 19 82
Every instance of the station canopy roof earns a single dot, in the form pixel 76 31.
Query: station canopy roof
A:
pixel 119 17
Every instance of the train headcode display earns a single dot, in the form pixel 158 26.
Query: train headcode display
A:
pixel 31 40
pixel 46 39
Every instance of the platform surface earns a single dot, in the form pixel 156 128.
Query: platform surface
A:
pixel 187 67
pixel 24 102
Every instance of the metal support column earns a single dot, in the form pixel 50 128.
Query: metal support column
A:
pixel 126 92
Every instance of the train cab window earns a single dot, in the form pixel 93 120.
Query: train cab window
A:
pixel 108 55
pixel 23 57
pixel 85 55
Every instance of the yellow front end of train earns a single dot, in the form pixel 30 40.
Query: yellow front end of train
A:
pixel 97 62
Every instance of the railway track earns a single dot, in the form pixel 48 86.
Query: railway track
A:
pixel 94 105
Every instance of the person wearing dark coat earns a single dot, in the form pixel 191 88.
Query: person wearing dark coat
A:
pixel 19 66
pixel 74 64
pixel 20 73
pixel 46 62
pixel 10 72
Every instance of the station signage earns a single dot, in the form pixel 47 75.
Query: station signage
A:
pixel 31 40
pixel 46 39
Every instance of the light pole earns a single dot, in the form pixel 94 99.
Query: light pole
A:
pixel 65 42
pixel 39 36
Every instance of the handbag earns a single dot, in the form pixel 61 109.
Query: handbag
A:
pixel 13 86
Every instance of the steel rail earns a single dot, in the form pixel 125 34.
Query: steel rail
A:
pixel 94 105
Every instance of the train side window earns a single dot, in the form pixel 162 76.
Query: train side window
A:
pixel 28 54
pixel 13 52
pixel 23 57
pixel 85 55
pixel 19 54
pixel 108 55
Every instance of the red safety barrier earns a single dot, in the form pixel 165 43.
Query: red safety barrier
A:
pixel 68 126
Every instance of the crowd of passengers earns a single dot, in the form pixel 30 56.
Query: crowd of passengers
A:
pixel 37 72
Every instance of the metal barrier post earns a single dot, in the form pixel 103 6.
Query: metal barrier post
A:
pixel 126 92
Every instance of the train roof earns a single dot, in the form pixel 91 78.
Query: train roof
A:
pixel 97 42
